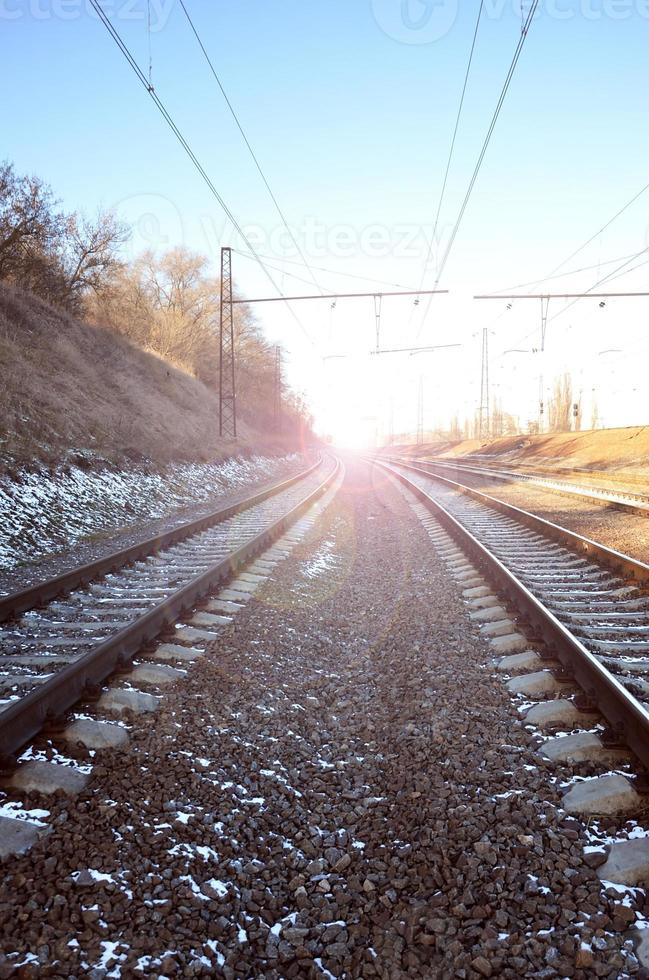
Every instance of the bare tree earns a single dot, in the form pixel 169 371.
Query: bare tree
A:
pixel 90 252
pixel 594 413
pixel 169 304
pixel 560 404
pixel 30 225
pixel 497 418
pixel 60 257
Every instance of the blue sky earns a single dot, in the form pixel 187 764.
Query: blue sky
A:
pixel 350 109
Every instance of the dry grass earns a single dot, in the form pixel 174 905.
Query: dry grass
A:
pixel 622 453
pixel 71 388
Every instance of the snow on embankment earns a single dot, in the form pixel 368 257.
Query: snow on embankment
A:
pixel 44 513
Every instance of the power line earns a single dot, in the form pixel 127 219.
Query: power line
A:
pixel 628 272
pixel 561 275
pixel 615 274
pixel 247 142
pixel 487 139
pixel 412 350
pixel 598 233
pixel 492 125
pixel 318 268
pixel 604 279
pixel 552 275
pixel 275 268
pixel 452 146
pixel 187 148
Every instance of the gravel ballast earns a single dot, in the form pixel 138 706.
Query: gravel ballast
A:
pixel 108 520
pixel 611 526
pixel 340 787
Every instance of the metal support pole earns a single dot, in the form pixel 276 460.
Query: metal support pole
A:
pixel 420 411
pixel 483 411
pixel 227 391
pixel 277 389
pixel 545 302
pixel 377 317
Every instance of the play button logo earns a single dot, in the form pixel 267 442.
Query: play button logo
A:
pixel 415 21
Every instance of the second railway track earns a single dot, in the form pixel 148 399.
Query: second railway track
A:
pixel 61 639
pixel 588 606
pixel 625 500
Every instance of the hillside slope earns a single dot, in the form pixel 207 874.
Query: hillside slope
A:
pixel 622 453
pixel 71 391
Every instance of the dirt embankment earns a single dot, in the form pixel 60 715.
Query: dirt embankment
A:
pixel 75 392
pixel 623 454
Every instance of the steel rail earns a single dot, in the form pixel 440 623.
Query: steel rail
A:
pixel 630 567
pixel 16 603
pixel 628 719
pixel 49 703
pixel 636 503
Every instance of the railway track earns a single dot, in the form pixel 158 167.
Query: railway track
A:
pixel 581 605
pixel 61 639
pixel 625 500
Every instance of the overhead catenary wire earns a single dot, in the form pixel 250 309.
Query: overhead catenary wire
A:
pixel 492 125
pixel 494 119
pixel 585 244
pixel 615 274
pixel 452 146
pixel 331 272
pixel 190 153
pixel 248 144
pixel 561 275
pixel 148 31
pixel 275 268
pixel 598 233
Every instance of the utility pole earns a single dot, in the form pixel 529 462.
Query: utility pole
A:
pixel 545 302
pixel 483 410
pixel 420 411
pixel 377 317
pixel 277 389
pixel 227 392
